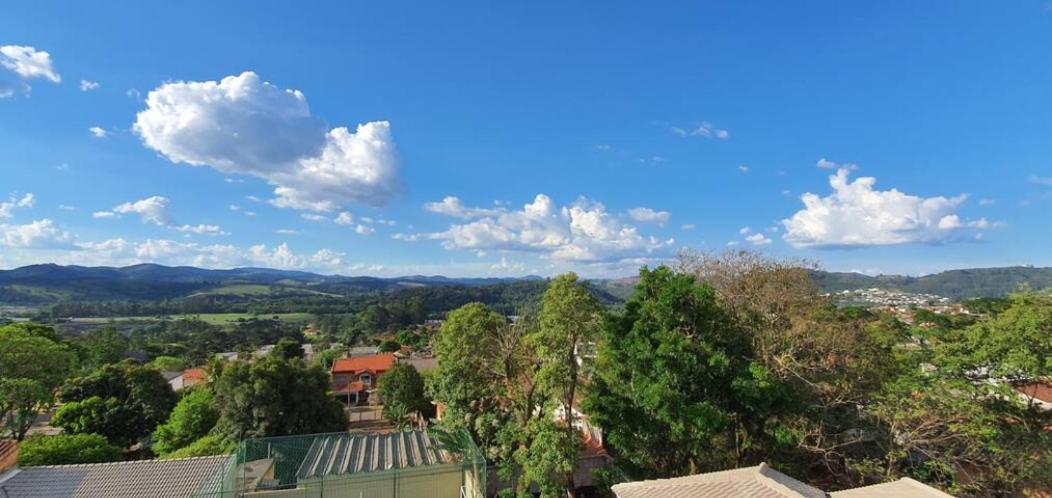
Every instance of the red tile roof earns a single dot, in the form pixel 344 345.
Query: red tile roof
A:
pixel 195 374
pixel 377 363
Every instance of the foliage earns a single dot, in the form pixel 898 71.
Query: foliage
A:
pixel 31 354
pixel 402 387
pixel 103 346
pixel 390 346
pixel 676 387
pixel 1016 344
pixel 273 396
pixel 20 401
pixel 288 348
pixel 32 365
pixel 209 445
pixel 467 347
pixel 568 323
pixel 123 402
pixel 168 364
pixel 192 418
pixel 65 449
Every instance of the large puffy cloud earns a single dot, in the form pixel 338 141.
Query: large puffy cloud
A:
pixel 583 231
pixel 38 234
pixel 19 64
pixel 855 214
pixel 244 125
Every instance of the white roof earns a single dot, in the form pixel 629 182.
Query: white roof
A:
pixel 760 481
pixel 902 488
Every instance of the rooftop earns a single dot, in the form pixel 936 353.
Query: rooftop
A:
pixel 760 481
pixel 339 454
pixel 902 488
pixel 135 479
pixel 375 363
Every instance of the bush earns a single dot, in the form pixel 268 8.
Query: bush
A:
pixel 66 449
pixel 168 364
pixel 206 446
pixel 193 417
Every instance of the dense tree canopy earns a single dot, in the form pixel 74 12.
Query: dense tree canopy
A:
pixel 677 389
pixel 193 417
pixel 123 402
pixel 402 388
pixel 274 396
pixel 66 449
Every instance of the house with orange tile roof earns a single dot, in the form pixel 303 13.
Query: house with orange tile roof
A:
pixel 355 377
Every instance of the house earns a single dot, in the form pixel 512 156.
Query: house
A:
pixel 763 481
pixel 187 378
pixel 176 478
pixel 357 376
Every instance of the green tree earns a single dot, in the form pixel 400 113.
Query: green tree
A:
pixel 1016 344
pixel 66 449
pixel 21 400
pixel 32 366
pixel 288 349
pixel 402 387
pixel 569 324
pixel 275 397
pixel 104 346
pixel 390 346
pixel 168 364
pixel 212 444
pixel 30 354
pixel 676 389
pixel 123 402
pixel 466 380
pixel 193 417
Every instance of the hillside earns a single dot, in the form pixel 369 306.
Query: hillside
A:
pixel 49 283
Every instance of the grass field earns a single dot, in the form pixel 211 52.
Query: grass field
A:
pixel 212 318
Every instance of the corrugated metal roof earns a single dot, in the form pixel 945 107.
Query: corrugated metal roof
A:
pixel 137 479
pixel 337 454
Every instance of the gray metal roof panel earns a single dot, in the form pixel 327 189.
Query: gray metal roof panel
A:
pixel 136 479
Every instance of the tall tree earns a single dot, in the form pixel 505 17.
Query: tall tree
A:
pixel 402 388
pixel 676 389
pixel 193 417
pixel 274 396
pixel 123 401
pixel 32 366
pixel 569 324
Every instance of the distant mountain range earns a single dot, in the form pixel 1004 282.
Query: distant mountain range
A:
pixel 49 283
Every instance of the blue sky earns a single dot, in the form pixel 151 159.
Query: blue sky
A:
pixel 496 139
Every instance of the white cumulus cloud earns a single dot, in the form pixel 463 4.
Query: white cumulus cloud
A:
pixel 856 214
pixel 583 231
pixel 19 64
pixel 151 209
pixel 453 206
pixel 38 234
pixel 88 85
pixel 98 132
pixel 758 239
pixel 244 125
pixel 647 215
pixel 8 207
